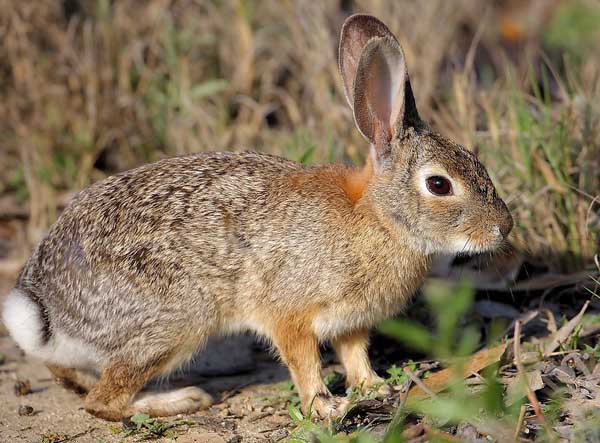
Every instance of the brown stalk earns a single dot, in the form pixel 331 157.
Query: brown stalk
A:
pixel 419 382
pixel 537 409
pixel 519 423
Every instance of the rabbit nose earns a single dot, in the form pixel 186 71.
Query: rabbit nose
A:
pixel 506 225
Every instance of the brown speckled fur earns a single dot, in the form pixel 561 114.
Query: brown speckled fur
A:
pixel 143 266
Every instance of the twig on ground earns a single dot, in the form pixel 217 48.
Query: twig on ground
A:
pixel 398 416
pixel 537 409
pixel 551 322
pixel 75 436
pixel 524 319
pixel 233 391
pixel 519 423
pixel 419 382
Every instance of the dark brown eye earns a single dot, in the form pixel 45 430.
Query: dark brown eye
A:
pixel 439 185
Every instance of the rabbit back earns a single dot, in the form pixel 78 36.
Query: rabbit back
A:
pixel 161 257
pixel 143 254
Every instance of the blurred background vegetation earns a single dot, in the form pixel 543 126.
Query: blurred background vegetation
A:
pixel 92 87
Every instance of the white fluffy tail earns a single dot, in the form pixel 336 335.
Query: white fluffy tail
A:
pixel 23 320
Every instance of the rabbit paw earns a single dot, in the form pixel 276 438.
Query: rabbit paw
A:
pixel 329 407
pixel 180 401
pixel 374 384
pixel 384 390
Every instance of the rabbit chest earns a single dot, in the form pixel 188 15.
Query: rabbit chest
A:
pixel 378 291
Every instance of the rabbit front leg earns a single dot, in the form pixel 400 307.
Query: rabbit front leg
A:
pixel 299 349
pixel 352 350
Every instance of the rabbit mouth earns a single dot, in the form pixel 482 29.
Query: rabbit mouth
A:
pixel 475 245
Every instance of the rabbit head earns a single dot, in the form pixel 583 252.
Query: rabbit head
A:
pixel 426 184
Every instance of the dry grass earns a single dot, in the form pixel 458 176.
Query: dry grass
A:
pixel 91 87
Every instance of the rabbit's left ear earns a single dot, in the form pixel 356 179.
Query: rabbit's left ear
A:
pixel 357 30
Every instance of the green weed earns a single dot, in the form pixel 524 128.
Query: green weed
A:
pixel 286 393
pixel 397 376
pixel 143 424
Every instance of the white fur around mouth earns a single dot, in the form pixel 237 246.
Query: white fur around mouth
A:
pixel 466 246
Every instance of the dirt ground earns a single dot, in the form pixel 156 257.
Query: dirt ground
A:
pixel 240 413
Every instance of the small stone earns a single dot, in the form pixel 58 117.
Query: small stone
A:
pixel 565 431
pixel 466 432
pixel 237 409
pixel 22 387
pixel 279 434
pixel 279 419
pixel 223 413
pixel 230 425
pixel 127 424
pixel 25 410
pixel 235 439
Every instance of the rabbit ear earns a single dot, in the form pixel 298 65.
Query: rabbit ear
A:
pixel 383 101
pixel 357 30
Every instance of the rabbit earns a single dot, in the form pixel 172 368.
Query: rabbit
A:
pixel 142 267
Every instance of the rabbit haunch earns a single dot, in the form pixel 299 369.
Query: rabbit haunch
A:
pixel 143 266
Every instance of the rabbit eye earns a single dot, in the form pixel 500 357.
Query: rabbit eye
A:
pixel 438 185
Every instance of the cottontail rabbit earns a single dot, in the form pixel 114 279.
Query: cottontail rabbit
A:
pixel 142 267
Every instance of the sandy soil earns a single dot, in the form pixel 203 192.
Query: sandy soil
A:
pixel 240 413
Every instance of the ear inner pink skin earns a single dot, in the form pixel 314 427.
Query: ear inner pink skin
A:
pixel 379 92
pixel 356 33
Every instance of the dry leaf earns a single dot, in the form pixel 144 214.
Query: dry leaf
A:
pixel 440 380
pixel 515 389
pixel 563 333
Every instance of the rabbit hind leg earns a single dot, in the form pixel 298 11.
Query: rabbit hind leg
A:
pixel 163 403
pixel 117 393
pixel 111 396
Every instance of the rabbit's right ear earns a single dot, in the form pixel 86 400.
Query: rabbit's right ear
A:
pixel 380 93
pixel 357 30
pixel 376 81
